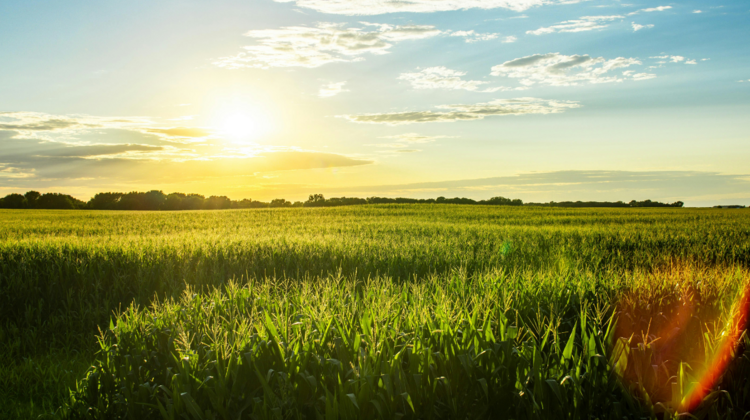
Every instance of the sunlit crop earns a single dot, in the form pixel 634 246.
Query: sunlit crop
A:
pixel 393 311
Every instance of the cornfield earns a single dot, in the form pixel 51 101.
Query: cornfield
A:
pixel 375 312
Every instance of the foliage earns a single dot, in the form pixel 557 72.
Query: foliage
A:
pixel 506 298
pixel 157 200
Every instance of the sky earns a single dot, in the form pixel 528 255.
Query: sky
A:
pixel 542 100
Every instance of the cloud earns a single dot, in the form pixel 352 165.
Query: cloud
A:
pixel 44 125
pixel 180 132
pixel 106 150
pixel 650 10
pixel 96 150
pixel 637 27
pixel 590 23
pixel 408 139
pixel 509 39
pixel 443 78
pixel 472 36
pixel 697 11
pixel 303 46
pixel 451 113
pixel 331 89
pixel 377 7
pixel 692 187
pixel 585 23
pixel 41 125
pixel 556 69
pixel 43 162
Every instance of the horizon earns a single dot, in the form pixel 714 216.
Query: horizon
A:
pixel 540 100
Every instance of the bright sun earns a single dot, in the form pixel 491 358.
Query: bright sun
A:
pixel 239 127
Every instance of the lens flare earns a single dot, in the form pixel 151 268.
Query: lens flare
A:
pixel 722 357
pixel 663 354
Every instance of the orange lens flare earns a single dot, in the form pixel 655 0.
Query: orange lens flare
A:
pixel 661 353
pixel 723 356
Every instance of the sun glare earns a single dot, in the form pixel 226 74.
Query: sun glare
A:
pixel 240 127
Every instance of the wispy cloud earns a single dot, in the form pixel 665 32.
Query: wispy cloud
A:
pixel 637 27
pixel 650 10
pixel 444 78
pixel 583 24
pixel 556 69
pixel 451 113
pixel 303 46
pixel 331 89
pixel 377 7
pixel 472 36
pixel 590 23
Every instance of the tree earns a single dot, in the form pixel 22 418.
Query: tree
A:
pixel 58 202
pixel 315 200
pixel 280 202
pixel 13 201
pixel 31 197
pixel 217 202
pixel 193 202
pixel 105 201
pixel 173 201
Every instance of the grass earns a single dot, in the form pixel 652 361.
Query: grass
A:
pixel 418 311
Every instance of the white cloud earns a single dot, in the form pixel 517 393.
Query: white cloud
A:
pixel 302 46
pixel 331 89
pixel 443 78
pixel 691 62
pixel 590 23
pixel 377 7
pixel 509 39
pixel 697 11
pixel 472 36
pixel 451 113
pixel 651 9
pixel 585 23
pixel 672 58
pixel 637 27
pixel 556 69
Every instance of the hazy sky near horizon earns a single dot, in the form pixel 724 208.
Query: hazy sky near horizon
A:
pixel 533 99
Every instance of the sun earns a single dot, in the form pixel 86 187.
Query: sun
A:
pixel 239 127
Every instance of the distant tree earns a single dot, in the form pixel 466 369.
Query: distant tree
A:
pixel 173 201
pixel 280 202
pixel 105 201
pixel 216 203
pixel 153 200
pixel 193 202
pixel 315 200
pixel 502 201
pixel 13 201
pixel 58 201
pixel 31 197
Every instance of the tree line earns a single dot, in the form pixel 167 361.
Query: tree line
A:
pixel 157 200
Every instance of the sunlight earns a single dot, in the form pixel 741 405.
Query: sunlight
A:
pixel 240 127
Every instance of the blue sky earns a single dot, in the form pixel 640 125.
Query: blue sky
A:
pixel 533 99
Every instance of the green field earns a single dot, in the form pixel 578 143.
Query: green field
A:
pixel 377 311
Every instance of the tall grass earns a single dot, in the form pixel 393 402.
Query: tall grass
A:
pixel 398 269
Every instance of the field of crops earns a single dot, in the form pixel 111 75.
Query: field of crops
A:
pixel 374 312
